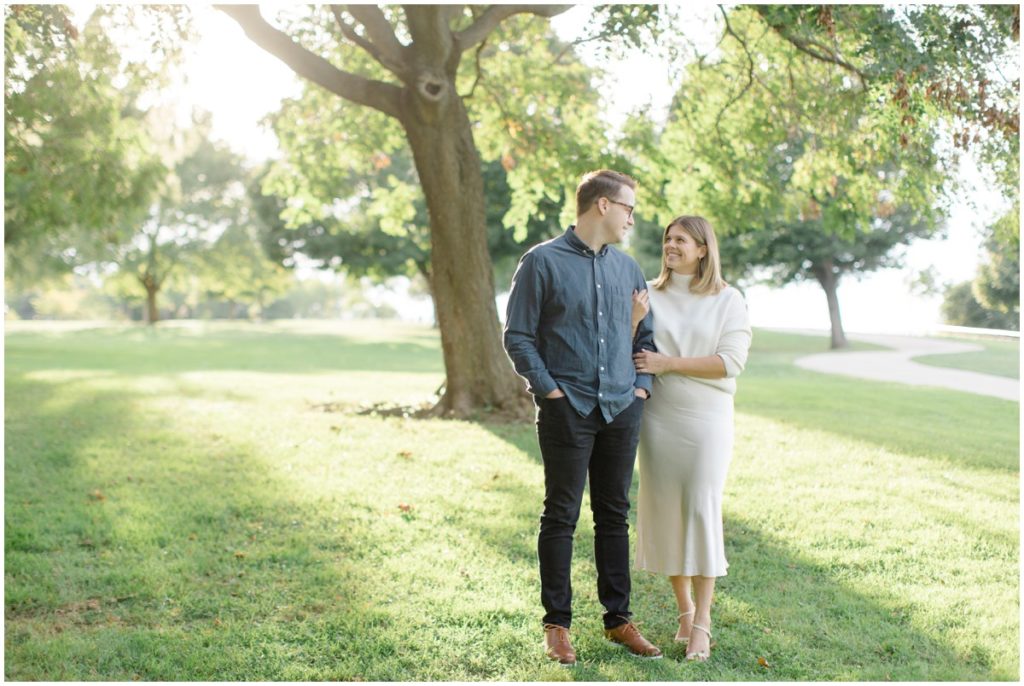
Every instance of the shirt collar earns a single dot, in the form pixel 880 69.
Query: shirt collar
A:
pixel 577 243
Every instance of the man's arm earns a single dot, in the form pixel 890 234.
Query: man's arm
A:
pixel 522 319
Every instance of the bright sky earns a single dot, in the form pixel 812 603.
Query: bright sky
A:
pixel 240 83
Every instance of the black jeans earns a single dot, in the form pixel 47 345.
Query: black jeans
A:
pixel 573 446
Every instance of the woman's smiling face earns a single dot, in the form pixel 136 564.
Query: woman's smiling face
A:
pixel 681 252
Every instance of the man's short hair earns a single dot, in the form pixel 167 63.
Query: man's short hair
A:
pixel 603 183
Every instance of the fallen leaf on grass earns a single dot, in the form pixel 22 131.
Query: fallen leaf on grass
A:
pixel 404 508
pixel 767 630
pixel 239 554
pixel 405 454
pixel 192 536
pixel 763 662
pixel 92 604
pixel 96 495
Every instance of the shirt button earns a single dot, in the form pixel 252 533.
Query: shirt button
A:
pixel 602 369
pixel 600 314
pixel 598 285
pixel 599 395
pixel 602 340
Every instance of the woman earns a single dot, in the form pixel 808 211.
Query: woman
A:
pixel 702 332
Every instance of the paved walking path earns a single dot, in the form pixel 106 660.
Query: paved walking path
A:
pixel 897 366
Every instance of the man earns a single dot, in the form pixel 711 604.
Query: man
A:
pixel 569 334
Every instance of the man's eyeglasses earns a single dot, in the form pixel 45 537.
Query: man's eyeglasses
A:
pixel 629 208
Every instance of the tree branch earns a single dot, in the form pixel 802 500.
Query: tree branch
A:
pixel 479 69
pixel 380 31
pixel 381 96
pixel 349 32
pixel 495 14
pixel 814 49
pixel 750 72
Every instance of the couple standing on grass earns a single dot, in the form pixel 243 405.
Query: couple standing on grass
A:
pixel 599 353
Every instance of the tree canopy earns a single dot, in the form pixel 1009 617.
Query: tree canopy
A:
pixel 78 161
pixel 796 169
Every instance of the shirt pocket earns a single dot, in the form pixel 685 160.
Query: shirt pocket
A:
pixel 618 307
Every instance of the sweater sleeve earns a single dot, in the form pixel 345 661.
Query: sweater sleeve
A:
pixel 734 342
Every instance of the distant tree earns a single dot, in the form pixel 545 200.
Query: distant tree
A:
pixel 992 299
pixel 997 286
pixel 201 195
pixel 961 308
pixel 77 159
pixel 807 251
pixel 236 268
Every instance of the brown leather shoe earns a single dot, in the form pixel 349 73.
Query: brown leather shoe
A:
pixel 629 636
pixel 557 645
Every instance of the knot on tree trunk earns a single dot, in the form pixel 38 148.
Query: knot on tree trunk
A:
pixel 431 87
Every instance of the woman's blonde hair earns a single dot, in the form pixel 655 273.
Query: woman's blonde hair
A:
pixel 708 279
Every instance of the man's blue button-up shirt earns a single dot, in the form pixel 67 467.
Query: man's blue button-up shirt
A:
pixel 568 324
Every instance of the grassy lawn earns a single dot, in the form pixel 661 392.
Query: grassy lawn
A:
pixel 203 502
pixel 1000 357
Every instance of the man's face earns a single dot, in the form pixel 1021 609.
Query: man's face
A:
pixel 618 219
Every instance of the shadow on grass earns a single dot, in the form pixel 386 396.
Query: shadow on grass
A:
pixel 200 568
pixel 775 604
pixel 273 587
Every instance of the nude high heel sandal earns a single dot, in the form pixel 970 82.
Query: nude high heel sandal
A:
pixel 679 638
pixel 702 655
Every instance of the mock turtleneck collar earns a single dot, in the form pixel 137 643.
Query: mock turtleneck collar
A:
pixel 680 281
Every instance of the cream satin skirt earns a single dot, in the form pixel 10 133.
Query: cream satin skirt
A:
pixel 686 441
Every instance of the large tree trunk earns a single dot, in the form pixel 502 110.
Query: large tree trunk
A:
pixel 479 374
pixel 827 276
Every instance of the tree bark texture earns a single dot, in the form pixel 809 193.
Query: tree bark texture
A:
pixel 479 374
pixel 828 278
